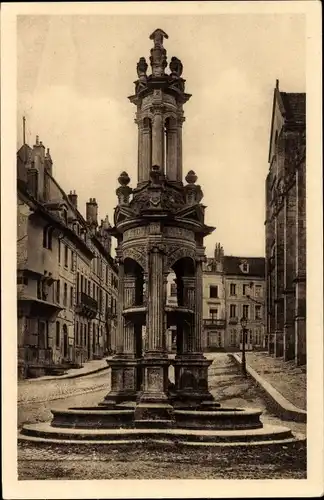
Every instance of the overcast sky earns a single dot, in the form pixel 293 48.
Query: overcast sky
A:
pixel 76 72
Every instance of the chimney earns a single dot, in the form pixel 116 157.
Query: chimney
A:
pixel 48 162
pixel 39 165
pixel 92 212
pixel 73 199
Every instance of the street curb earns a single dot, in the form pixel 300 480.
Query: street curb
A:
pixel 67 376
pixel 276 402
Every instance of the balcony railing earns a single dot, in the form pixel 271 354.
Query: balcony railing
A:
pixel 214 323
pixel 233 321
pixel 87 305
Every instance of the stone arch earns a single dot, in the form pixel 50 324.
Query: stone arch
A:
pixel 180 253
pixel 139 256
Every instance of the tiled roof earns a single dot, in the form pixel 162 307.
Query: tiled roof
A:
pixel 295 106
pixel 256 266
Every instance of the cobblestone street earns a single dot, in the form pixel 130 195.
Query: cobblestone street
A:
pixel 226 384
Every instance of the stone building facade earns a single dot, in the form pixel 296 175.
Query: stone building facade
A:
pixel 285 228
pixel 55 243
pixel 233 287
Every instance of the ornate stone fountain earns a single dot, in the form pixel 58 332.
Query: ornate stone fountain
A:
pixel 159 226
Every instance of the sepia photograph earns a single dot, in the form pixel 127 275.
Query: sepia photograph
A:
pixel 162 235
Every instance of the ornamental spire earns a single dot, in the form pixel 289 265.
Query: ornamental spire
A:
pixel 158 53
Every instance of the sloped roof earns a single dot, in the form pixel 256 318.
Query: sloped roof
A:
pixel 256 266
pixel 295 106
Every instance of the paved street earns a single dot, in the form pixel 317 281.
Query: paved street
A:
pixel 226 384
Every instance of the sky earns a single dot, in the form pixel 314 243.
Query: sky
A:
pixel 74 74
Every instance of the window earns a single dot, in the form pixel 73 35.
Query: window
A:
pixel 81 284
pixel 232 311
pixel 245 311
pixel 57 334
pixel 107 274
pixel 77 284
pixel 65 216
pixel 89 287
pixel 245 267
pixel 233 338
pixel 246 289
pixel 39 289
pixel 59 251
pixel 72 260
pixel 232 289
pixel 22 280
pixel 77 333
pixel 257 312
pixel 65 295
pixel 173 290
pixel 66 256
pixel 93 290
pixel 71 297
pixel 213 313
pixel 213 291
pixel 258 290
pixel 47 237
pixel 81 334
pixel 58 291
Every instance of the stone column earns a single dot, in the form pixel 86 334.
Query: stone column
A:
pixel 120 307
pixel 140 162
pixel 146 154
pixel 289 274
pixel 189 302
pixel 123 364
pixel 158 140
pixel 153 405
pixel 129 331
pixel 179 149
pixel 172 153
pixel 300 311
pixel 191 367
pixel 198 345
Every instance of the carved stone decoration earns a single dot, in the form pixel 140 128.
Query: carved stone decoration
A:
pixel 156 247
pixel 141 72
pixel 164 197
pixel 124 191
pixel 176 253
pixel 136 232
pixel 138 254
pixel 158 53
pixel 176 67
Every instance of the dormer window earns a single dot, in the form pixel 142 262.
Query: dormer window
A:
pixel 244 267
pixel 65 216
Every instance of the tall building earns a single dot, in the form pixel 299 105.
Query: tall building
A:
pixel 233 287
pixel 64 273
pixel 214 309
pixel 285 227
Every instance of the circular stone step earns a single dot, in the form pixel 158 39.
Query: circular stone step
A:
pixel 92 418
pixel 44 432
pixel 219 419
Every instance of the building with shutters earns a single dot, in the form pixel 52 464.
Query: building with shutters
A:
pixel 67 280
pixel 233 287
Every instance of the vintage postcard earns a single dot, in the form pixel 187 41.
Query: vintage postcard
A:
pixel 162 330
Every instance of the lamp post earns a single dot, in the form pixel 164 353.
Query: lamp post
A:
pixel 243 325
